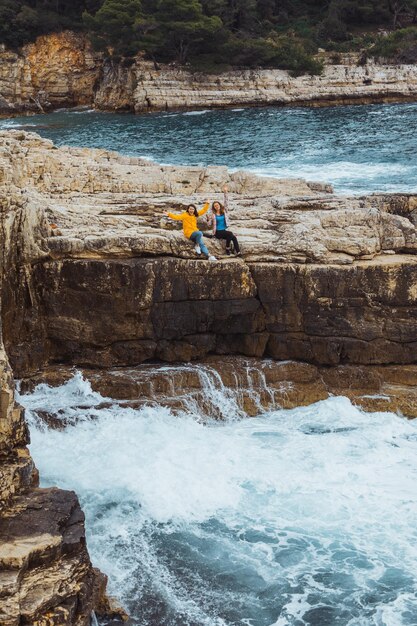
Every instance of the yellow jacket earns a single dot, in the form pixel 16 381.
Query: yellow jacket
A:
pixel 189 222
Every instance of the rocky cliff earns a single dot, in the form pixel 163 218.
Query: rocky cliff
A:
pixel 62 71
pixel 323 279
pixel 329 282
pixel 46 576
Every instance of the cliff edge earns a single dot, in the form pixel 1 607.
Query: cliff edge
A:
pixel 46 576
pixel 318 281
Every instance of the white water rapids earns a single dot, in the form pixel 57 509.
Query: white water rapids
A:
pixel 304 517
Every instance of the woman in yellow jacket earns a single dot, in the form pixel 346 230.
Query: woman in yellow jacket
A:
pixel 190 229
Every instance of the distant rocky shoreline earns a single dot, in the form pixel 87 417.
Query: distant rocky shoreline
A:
pixel 61 70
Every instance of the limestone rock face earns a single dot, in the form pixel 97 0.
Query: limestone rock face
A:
pixel 123 312
pixel 17 471
pixel 319 278
pixel 174 88
pixel 54 71
pixel 46 575
pixel 61 70
pixel 45 570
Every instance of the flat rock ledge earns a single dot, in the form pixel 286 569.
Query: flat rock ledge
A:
pixel 250 385
pixel 325 279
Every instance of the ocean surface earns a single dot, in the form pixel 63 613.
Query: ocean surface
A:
pixel 360 149
pixel 303 517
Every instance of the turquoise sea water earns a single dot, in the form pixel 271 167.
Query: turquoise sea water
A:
pixel 303 517
pixel 357 148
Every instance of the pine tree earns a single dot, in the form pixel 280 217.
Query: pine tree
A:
pixel 183 29
pixel 116 26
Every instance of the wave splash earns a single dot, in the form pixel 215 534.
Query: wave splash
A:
pixel 302 517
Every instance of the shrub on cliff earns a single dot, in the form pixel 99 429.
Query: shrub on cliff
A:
pixel 168 30
pixel 277 51
pixel 397 47
pixel 115 26
pixel 182 31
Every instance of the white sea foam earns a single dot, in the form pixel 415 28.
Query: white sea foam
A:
pixel 24 125
pixel 83 111
pixel 349 176
pixel 13 123
pixel 289 518
pixel 336 171
pixel 202 112
pixel 76 109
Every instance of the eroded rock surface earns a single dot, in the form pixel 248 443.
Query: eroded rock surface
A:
pixel 61 70
pixel 46 576
pixel 325 279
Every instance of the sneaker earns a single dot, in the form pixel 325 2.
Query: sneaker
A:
pixel 212 258
pixel 228 251
pixel 197 248
pixel 238 253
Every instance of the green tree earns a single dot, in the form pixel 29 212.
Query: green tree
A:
pixel 8 11
pixel 399 46
pixel 116 25
pixel 183 29
pixel 334 26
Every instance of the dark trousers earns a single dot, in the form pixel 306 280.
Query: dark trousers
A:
pixel 230 238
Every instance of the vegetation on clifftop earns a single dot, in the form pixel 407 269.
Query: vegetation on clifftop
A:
pixel 216 34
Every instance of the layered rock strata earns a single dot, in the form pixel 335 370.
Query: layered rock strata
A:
pixel 46 576
pixel 61 70
pixel 323 279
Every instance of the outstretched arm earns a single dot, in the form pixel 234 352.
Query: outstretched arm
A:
pixel 176 216
pixel 205 208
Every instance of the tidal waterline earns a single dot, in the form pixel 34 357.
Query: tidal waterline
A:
pixel 359 149
pixel 301 517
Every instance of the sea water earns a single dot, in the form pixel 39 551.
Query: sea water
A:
pixel 303 517
pixel 360 149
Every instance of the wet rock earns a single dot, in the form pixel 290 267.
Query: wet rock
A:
pixel 254 385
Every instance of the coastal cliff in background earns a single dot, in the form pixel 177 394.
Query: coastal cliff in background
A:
pixel 61 70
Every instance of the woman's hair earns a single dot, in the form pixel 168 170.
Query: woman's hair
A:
pixel 195 209
pixel 220 205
